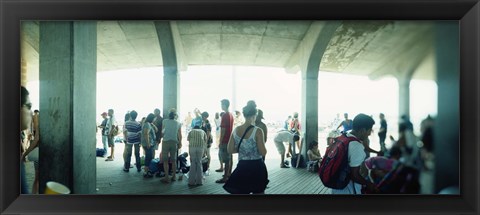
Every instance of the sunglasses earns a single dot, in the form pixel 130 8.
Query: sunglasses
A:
pixel 28 105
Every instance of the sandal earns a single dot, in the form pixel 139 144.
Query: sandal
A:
pixel 219 170
pixel 221 181
pixel 109 159
pixel 165 180
pixel 173 178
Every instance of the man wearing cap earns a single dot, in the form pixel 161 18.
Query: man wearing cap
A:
pixel 261 125
pixel 104 134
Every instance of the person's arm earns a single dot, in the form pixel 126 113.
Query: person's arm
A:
pixel 312 156
pixel 179 135
pixel 125 134
pixel 339 125
pixel 356 177
pixel 260 142
pixel 154 127
pixel 31 147
pixel 146 135
pixel 231 145
pixel 265 134
pixel 222 134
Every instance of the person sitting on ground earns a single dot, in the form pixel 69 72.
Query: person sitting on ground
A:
pixel 314 156
pixel 279 139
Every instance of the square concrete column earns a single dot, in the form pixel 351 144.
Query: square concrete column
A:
pixel 171 80
pixel 404 96
pixel 446 142
pixel 68 66
pixel 309 112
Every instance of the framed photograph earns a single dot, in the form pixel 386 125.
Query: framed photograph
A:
pixel 346 40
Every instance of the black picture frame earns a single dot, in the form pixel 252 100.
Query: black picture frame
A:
pixel 467 12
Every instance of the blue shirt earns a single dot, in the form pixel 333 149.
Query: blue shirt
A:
pixel 151 134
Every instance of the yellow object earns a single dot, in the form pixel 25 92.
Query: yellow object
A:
pixel 56 188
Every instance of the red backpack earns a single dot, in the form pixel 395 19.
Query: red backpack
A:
pixel 334 170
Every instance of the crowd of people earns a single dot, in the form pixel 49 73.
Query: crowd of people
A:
pixel 245 133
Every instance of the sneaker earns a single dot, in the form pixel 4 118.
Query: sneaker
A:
pixel 284 166
pixel 147 175
pixel 109 159
pixel 126 170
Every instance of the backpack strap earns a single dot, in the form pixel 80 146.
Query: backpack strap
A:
pixel 249 127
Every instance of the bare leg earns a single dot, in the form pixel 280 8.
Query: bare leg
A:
pixel 166 179
pixel 112 151
pixel 174 169
pixel 35 183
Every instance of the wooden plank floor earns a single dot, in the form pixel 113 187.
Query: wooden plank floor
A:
pixel 112 180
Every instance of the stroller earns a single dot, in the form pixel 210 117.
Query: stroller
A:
pixel 399 179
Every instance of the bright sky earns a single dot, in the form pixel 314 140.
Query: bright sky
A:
pixel 277 93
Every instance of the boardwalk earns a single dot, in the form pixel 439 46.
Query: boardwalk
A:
pixel 112 180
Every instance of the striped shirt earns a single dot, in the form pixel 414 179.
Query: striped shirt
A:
pixel 134 129
pixel 197 138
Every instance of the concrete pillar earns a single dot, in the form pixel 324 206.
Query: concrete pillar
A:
pixel 68 62
pixel 404 95
pixel 171 80
pixel 309 112
pixel 23 68
pixel 446 142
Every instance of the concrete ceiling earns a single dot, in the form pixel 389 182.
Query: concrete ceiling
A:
pixel 371 48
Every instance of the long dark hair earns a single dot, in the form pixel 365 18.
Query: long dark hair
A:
pixel 23 95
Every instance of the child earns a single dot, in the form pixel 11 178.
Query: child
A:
pixel 314 157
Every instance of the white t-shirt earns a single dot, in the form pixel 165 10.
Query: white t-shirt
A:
pixel 356 155
pixel 284 136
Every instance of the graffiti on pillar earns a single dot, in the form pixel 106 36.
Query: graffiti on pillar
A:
pixel 53 107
